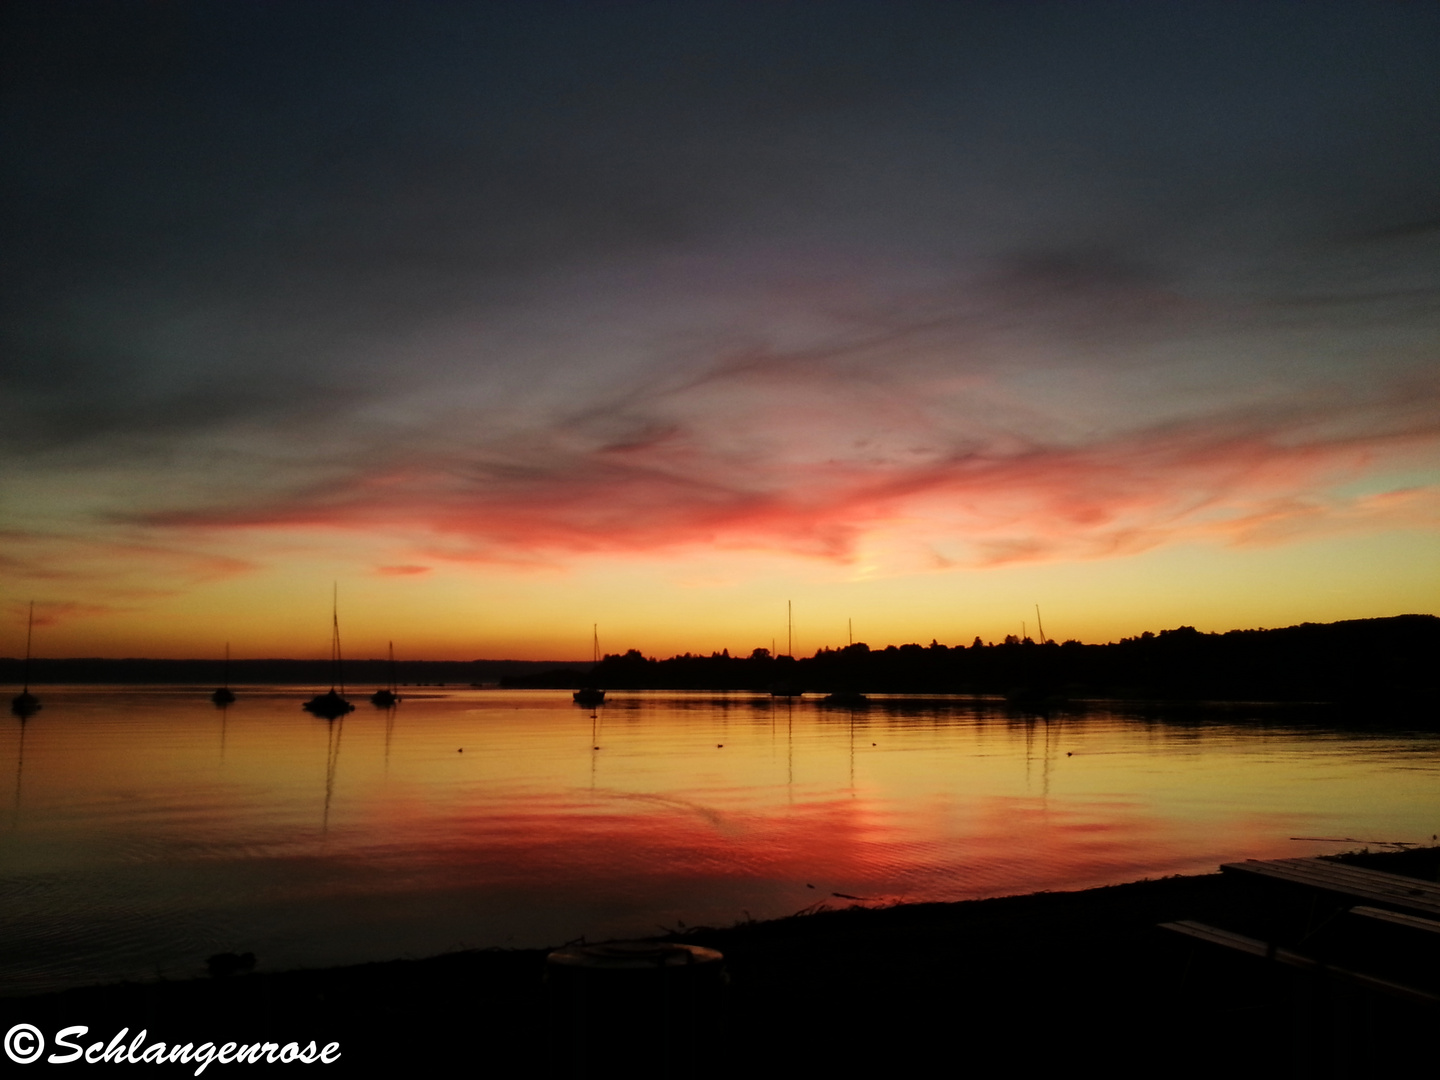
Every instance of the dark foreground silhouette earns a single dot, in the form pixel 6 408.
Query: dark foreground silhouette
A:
pixel 1054 981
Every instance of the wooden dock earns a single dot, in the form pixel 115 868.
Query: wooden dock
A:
pixel 1355 883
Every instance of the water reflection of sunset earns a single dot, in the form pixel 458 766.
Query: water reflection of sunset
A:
pixel 489 819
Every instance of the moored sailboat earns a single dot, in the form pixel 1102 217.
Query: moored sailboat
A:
pixel 387 697
pixel 26 704
pixel 223 695
pixel 592 695
pixel 332 705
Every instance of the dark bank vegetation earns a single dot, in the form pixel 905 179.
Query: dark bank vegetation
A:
pixel 1354 661
pixel 1362 660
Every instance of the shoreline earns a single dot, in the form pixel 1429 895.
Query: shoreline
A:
pixel 821 989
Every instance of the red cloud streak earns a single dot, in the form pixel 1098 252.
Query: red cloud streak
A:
pixel 1250 477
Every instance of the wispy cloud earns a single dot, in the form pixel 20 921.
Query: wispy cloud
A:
pixel 798 461
pixel 51 613
pixel 928 285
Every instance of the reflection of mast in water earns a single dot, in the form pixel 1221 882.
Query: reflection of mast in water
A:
pixel 1045 761
pixel 594 741
pixel 1030 720
pixel 389 730
pixel 336 728
pixel 224 710
pixel 852 753
pixel 1029 747
pixel 19 772
pixel 790 748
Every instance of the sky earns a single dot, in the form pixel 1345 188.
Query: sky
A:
pixel 509 320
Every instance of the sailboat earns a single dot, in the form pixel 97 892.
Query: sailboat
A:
pixel 26 704
pixel 387 697
pixel 786 688
pixel 590 695
pixel 333 704
pixel 224 695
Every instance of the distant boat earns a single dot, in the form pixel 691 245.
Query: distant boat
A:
pixel 786 688
pixel 332 704
pixel 590 695
pixel 387 697
pixel 25 704
pixel 224 695
pixel 845 697
pixel 329 705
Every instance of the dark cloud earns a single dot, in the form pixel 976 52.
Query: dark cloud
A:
pixel 275 251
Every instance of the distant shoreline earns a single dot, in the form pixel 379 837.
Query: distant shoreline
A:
pixel 1355 662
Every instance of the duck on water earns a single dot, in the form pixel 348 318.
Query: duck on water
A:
pixel 332 705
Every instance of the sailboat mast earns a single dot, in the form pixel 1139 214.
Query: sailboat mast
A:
pixel 790 628
pixel 29 631
pixel 335 672
pixel 1039 624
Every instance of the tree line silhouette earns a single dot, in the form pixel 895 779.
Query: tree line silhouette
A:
pixel 1356 660
pixel 1391 659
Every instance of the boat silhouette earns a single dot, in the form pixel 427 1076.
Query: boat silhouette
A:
pixel 592 695
pixel 223 695
pixel 332 704
pixel 785 687
pixel 387 697
pixel 25 704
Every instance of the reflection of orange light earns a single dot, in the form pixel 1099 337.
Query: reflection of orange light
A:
pixel 497 800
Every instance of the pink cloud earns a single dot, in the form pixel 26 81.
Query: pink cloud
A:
pixel 401 571
pixel 827 464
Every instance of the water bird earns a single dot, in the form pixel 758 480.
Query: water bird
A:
pixel 25 704
pixel 332 705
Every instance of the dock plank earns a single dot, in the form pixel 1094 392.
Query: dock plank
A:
pixel 1213 935
pixel 1374 887
pixel 1398 918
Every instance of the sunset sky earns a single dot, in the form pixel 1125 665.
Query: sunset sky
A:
pixel 508 319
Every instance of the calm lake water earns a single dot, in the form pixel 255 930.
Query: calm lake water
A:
pixel 145 829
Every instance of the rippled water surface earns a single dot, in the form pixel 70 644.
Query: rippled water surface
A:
pixel 144 830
